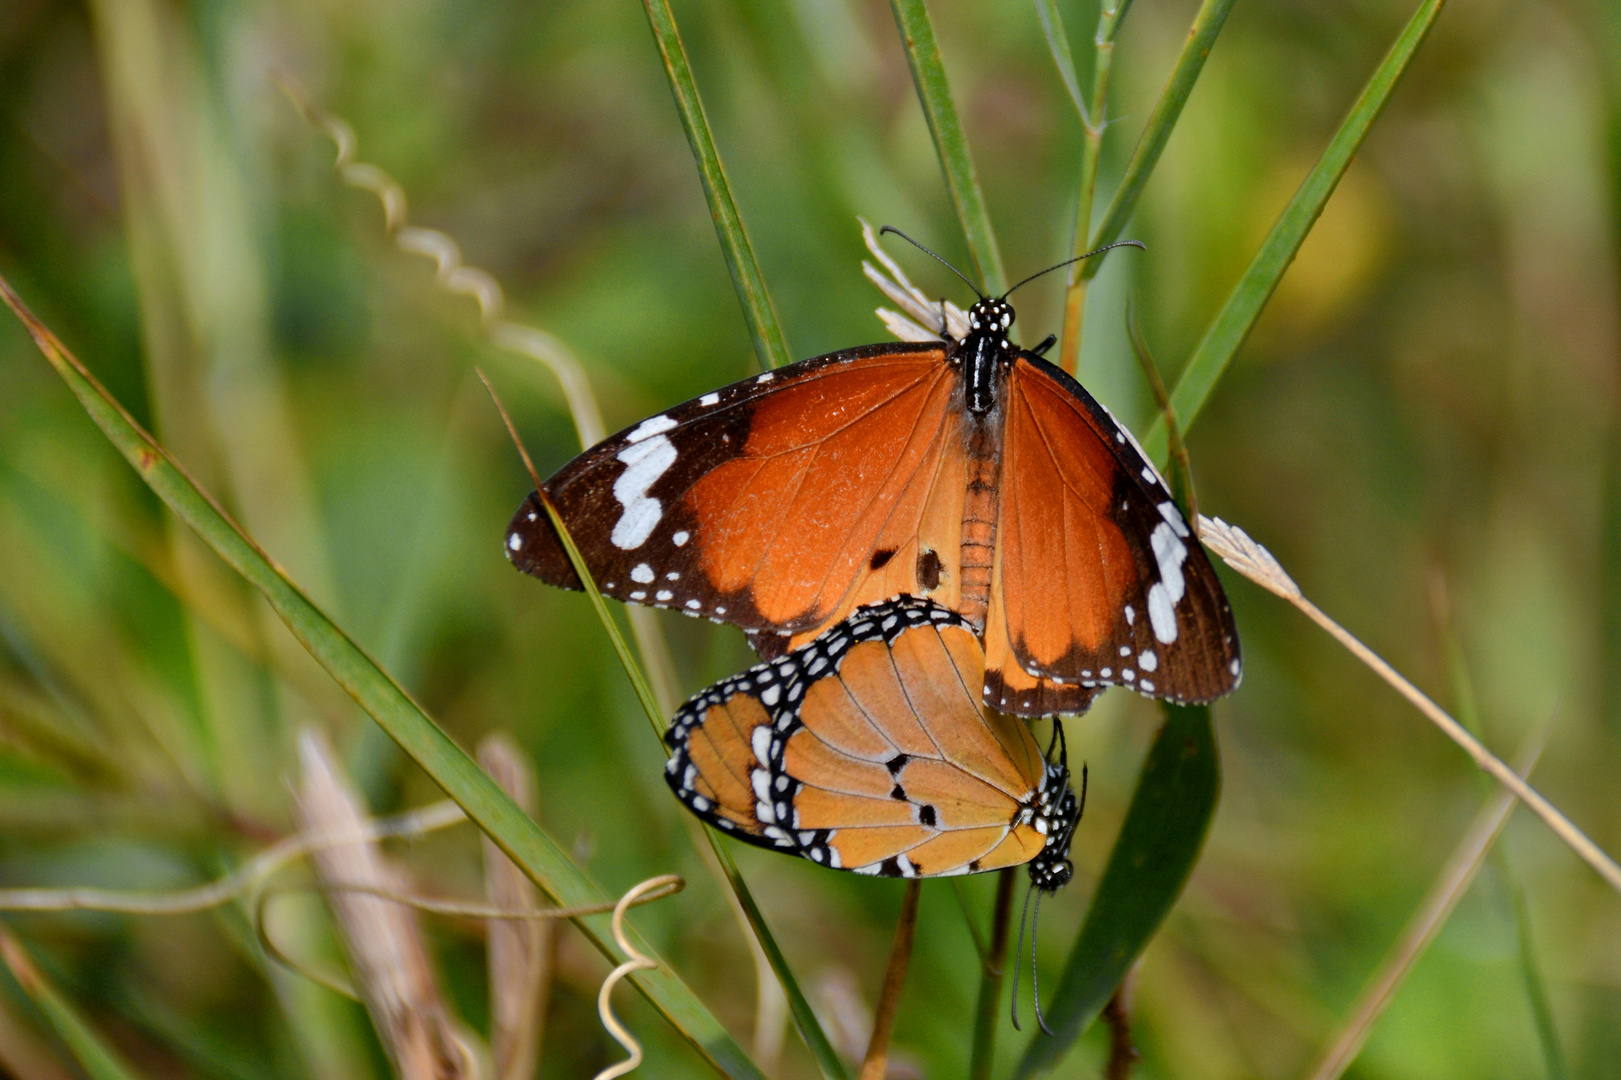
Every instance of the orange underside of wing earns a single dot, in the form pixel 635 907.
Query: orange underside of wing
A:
pixel 1021 845
pixel 1063 563
pixel 852 462
pixel 722 754
pixel 968 767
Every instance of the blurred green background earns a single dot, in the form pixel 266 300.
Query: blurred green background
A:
pixel 1424 428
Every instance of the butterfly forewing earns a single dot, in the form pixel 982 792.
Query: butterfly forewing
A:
pixel 778 503
pixel 866 749
pixel 1098 577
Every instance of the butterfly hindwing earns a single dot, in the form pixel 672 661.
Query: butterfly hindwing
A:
pixel 867 750
pixel 778 503
pixel 1098 578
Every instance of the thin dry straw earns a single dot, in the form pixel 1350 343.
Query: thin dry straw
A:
pixel 463 909
pixel 1427 921
pixel 518 954
pixel 1252 560
pixel 240 882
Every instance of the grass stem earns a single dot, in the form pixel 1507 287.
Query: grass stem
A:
pixel 1069 342
pixel 934 93
pixel 876 1062
pixel 992 969
pixel 758 311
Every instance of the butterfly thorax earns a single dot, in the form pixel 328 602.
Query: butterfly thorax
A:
pixel 1054 815
pixel 985 354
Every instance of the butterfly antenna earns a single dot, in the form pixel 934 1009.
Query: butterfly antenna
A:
pixel 940 260
pixel 1018 953
pixel 1035 976
pixel 1066 262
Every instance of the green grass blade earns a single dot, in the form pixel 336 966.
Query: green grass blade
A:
pixel 98 1060
pixel 1207 23
pixel 1052 25
pixel 385 701
pixel 769 344
pixel 929 76
pixel 1233 322
pixel 1159 841
pixel 992 968
pixel 810 1028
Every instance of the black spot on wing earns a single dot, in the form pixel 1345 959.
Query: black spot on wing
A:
pixel 929 569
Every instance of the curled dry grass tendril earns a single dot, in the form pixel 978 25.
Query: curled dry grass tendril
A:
pixel 651 889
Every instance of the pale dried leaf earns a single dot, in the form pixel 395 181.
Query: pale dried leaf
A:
pixel 519 950
pixel 384 943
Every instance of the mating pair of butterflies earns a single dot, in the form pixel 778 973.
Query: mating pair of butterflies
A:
pixel 905 532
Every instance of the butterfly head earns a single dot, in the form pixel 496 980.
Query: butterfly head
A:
pixel 1057 811
pixel 990 316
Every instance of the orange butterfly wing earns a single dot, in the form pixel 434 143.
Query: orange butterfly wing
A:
pixel 867 750
pixel 1098 581
pixel 779 503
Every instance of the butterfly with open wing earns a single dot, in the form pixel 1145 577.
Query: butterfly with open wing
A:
pixel 970 472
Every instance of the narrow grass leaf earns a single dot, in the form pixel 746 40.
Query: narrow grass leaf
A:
pixel 934 92
pixel 1207 23
pixel 764 328
pixel 1237 316
pixel 827 1059
pixel 815 1038
pixel 385 701
pixel 809 1027
pixel 98 1060
pixel 1052 25
pixel 1159 841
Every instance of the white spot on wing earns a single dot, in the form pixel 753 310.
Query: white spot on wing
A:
pixel 645 461
pixel 680 539
pixel 663 595
pixel 1148 661
pixel 709 399
pixel 760 742
pixel 1173 517
pixel 642 574
pixel 653 425
pixel 1169 553
pixel 514 542
pixel 1160 613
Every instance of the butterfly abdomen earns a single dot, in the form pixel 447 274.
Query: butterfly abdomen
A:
pixel 979 510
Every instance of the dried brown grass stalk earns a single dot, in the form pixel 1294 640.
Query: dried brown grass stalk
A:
pixel 520 953
pixel 382 939
pixel 1450 885
pixel 876 1063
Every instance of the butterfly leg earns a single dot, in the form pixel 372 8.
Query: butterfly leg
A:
pixel 1046 343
